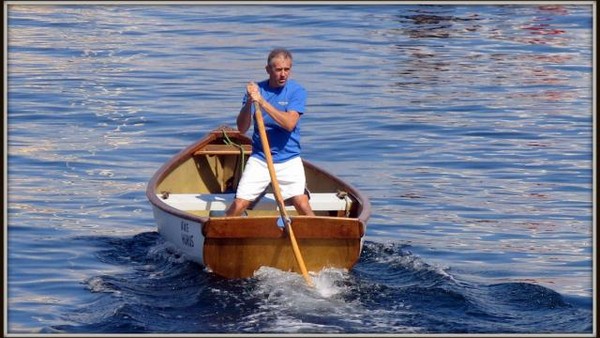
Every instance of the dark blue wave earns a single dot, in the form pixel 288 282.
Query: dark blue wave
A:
pixel 389 290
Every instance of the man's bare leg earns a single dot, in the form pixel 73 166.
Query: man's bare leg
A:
pixel 302 205
pixel 237 207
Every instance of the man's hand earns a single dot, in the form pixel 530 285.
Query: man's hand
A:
pixel 253 92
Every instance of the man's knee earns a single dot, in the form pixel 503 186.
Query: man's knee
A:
pixel 237 207
pixel 302 205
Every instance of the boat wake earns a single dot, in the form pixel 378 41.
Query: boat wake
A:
pixel 328 282
pixel 288 304
pixel 153 288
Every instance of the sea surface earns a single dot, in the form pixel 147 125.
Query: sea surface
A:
pixel 470 128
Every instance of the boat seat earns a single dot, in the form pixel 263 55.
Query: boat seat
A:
pixel 222 149
pixel 219 202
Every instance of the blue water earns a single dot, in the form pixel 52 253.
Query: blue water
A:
pixel 468 126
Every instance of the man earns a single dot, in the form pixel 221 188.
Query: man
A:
pixel 282 102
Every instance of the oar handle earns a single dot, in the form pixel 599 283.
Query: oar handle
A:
pixel 277 192
pixel 267 150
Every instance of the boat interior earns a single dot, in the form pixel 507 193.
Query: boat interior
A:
pixel 204 182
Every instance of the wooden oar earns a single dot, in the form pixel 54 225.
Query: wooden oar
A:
pixel 277 193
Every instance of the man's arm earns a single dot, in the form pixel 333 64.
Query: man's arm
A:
pixel 287 120
pixel 244 119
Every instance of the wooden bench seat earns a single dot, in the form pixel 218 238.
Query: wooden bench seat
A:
pixel 223 149
pixel 220 202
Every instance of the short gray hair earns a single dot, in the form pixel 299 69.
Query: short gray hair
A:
pixel 277 52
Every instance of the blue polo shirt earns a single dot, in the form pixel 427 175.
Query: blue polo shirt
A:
pixel 284 145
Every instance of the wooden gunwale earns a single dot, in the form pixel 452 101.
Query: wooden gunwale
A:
pixel 265 227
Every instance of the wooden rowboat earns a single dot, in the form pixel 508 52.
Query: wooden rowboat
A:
pixel 190 192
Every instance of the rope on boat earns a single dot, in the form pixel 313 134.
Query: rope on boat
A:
pixel 229 142
pixel 344 195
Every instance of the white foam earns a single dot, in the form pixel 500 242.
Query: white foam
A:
pixel 97 284
pixel 166 250
pixel 328 282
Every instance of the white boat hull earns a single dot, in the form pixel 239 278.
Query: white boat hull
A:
pixel 183 233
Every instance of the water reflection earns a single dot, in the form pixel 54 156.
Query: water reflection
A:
pixel 480 136
pixel 426 24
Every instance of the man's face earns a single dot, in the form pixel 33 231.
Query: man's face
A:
pixel 279 71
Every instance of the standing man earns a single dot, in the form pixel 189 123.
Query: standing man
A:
pixel 283 100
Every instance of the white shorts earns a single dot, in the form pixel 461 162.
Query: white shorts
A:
pixel 256 178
